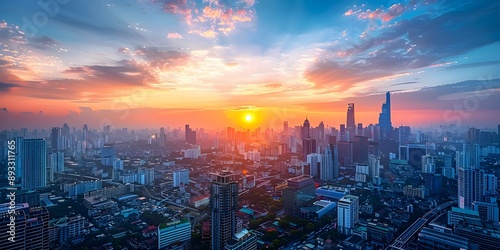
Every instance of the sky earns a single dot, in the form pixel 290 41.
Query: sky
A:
pixel 214 63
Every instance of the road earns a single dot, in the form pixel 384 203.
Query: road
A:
pixel 411 231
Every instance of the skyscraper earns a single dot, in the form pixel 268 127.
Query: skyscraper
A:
pixel 308 147
pixel 347 213
pixel 299 192
pixel 327 165
pixel 223 206
pixel 34 163
pixel 320 132
pixel 55 134
pixel 471 186
pixel 473 135
pixel 360 149
pixel 285 128
pixel 384 119
pixel 305 131
pixel 350 124
pixel 190 135
pixel 31 227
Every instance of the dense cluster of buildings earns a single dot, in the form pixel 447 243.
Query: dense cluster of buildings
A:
pixel 369 183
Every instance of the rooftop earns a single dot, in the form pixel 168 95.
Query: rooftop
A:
pixel 300 178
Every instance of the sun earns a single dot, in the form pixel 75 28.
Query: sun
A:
pixel 248 118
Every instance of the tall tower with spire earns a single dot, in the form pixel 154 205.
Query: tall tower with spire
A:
pixel 384 119
pixel 351 124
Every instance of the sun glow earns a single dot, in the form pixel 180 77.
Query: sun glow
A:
pixel 248 117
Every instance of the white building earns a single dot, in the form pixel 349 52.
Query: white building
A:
pixel 174 232
pixel 253 155
pixel 181 176
pixel 192 153
pixel 428 165
pixel 348 214
pixel 315 161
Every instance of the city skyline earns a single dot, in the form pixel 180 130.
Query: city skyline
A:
pixel 218 63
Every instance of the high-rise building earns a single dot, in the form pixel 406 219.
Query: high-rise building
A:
pixel 181 176
pixel 162 138
pixel 223 207
pixel 404 133
pixel 350 123
pixel 56 162
pixel 342 133
pixel 65 131
pixel 359 130
pixel 300 191
pixel 285 128
pixel 345 153
pixel 31 227
pixel 491 184
pixel 305 132
pixel 108 155
pixel 428 165
pixel 320 132
pixel 332 142
pixel 469 157
pixel 347 214
pixel 308 147
pixel 374 166
pixel 360 149
pixel 433 183
pixel 176 233
pixel 34 163
pixel 473 135
pixel 470 186
pixel 315 167
pixel 384 119
pixel 55 134
pixel 190 135
pixel 327 165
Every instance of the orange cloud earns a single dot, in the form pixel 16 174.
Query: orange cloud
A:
pixel 385 15
pixel 174 36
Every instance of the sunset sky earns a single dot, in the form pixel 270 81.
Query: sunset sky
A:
pixel 211 63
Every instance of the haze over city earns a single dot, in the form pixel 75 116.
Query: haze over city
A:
pixel 210 63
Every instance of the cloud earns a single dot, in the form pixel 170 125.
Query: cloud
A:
pixel 161 58
pixel 126 72
pixel 212 17
pixel 422 41
pixel 43 42
pixel 472 65
pixel 6 87
pixel 119 29
pixel 403 83
pixel 174 36
pixel 385 15
pixel 179 7
pixel 4 110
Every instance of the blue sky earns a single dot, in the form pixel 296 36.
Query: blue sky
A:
pixel 214 56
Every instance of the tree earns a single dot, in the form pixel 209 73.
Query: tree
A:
pixel 295 234
pixel 254 224
pixel 284 224
pixel 270 236
pixel 309 227
pixel 276 243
